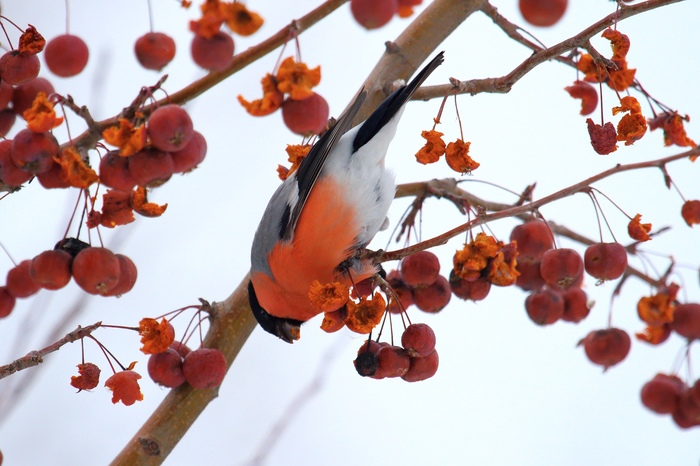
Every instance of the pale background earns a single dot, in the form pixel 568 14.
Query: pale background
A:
pixel 507 392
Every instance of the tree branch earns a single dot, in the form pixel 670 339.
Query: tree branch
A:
pixel 34 358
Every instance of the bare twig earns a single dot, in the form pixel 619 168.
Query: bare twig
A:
pixel 34 358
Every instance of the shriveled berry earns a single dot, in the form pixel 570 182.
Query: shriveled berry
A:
pixel 169 128
pixel 306 117
pixel 545 306
pixel 561 268
pixel 166 368
pixel 154 50
pixel 213 54
pixel 422 368
pixel 420 269
pixel 66 55
pixel 366 362
pixel 434 297
pixel 19 282
pixel 605 261
pixel 418 340
pixel 204 368
pixel 51 269
pixel 17 68
pixel 71 245
pixel 96 270
pixel 606 347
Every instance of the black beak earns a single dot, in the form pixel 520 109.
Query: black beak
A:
pixel 288 330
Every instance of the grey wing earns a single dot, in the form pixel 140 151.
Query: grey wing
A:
pixel 312 164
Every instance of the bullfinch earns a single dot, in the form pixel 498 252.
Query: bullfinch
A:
pixel 325 213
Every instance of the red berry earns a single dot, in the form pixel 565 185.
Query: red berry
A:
pixel 166 368
pixel 53 179
pixel 19 282
pixel 306 117
pixel 403 292
pixel 418 340
pixel 96 270
pixel 393 361
pixel 533 238
pixel 605 261
pixel 688 413
pixel 151 167
pixel 420 269
pixel 191 155
pixel 204 368
pixel 434 297
pixel 7 120
pixel 422 368
pixel 7 302
pixel 366 362
pixel 544 307
pixel 114 172
pixel 372 14
pixel 127 277
pixel 213 54
pixel 542 12
pixel 530 277
pixel 686 320
pixel 662 393
pixel 24 94
pixel 606 347
pixel 561 268
pixel 66 55
pixel 51 269
pixel 34 152
pixel 10 174
pixel 17 68
pixel 170 128
pixel 6 91
pixel 154 50
pixel 475 290
pixel 181 348
pixel 575 305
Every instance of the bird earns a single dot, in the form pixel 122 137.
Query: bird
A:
pixel 325 213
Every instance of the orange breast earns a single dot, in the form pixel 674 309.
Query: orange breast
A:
pixel 323 239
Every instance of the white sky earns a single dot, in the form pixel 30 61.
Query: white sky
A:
pixel 507 392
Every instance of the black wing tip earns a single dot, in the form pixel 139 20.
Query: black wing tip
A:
pixel 288 330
